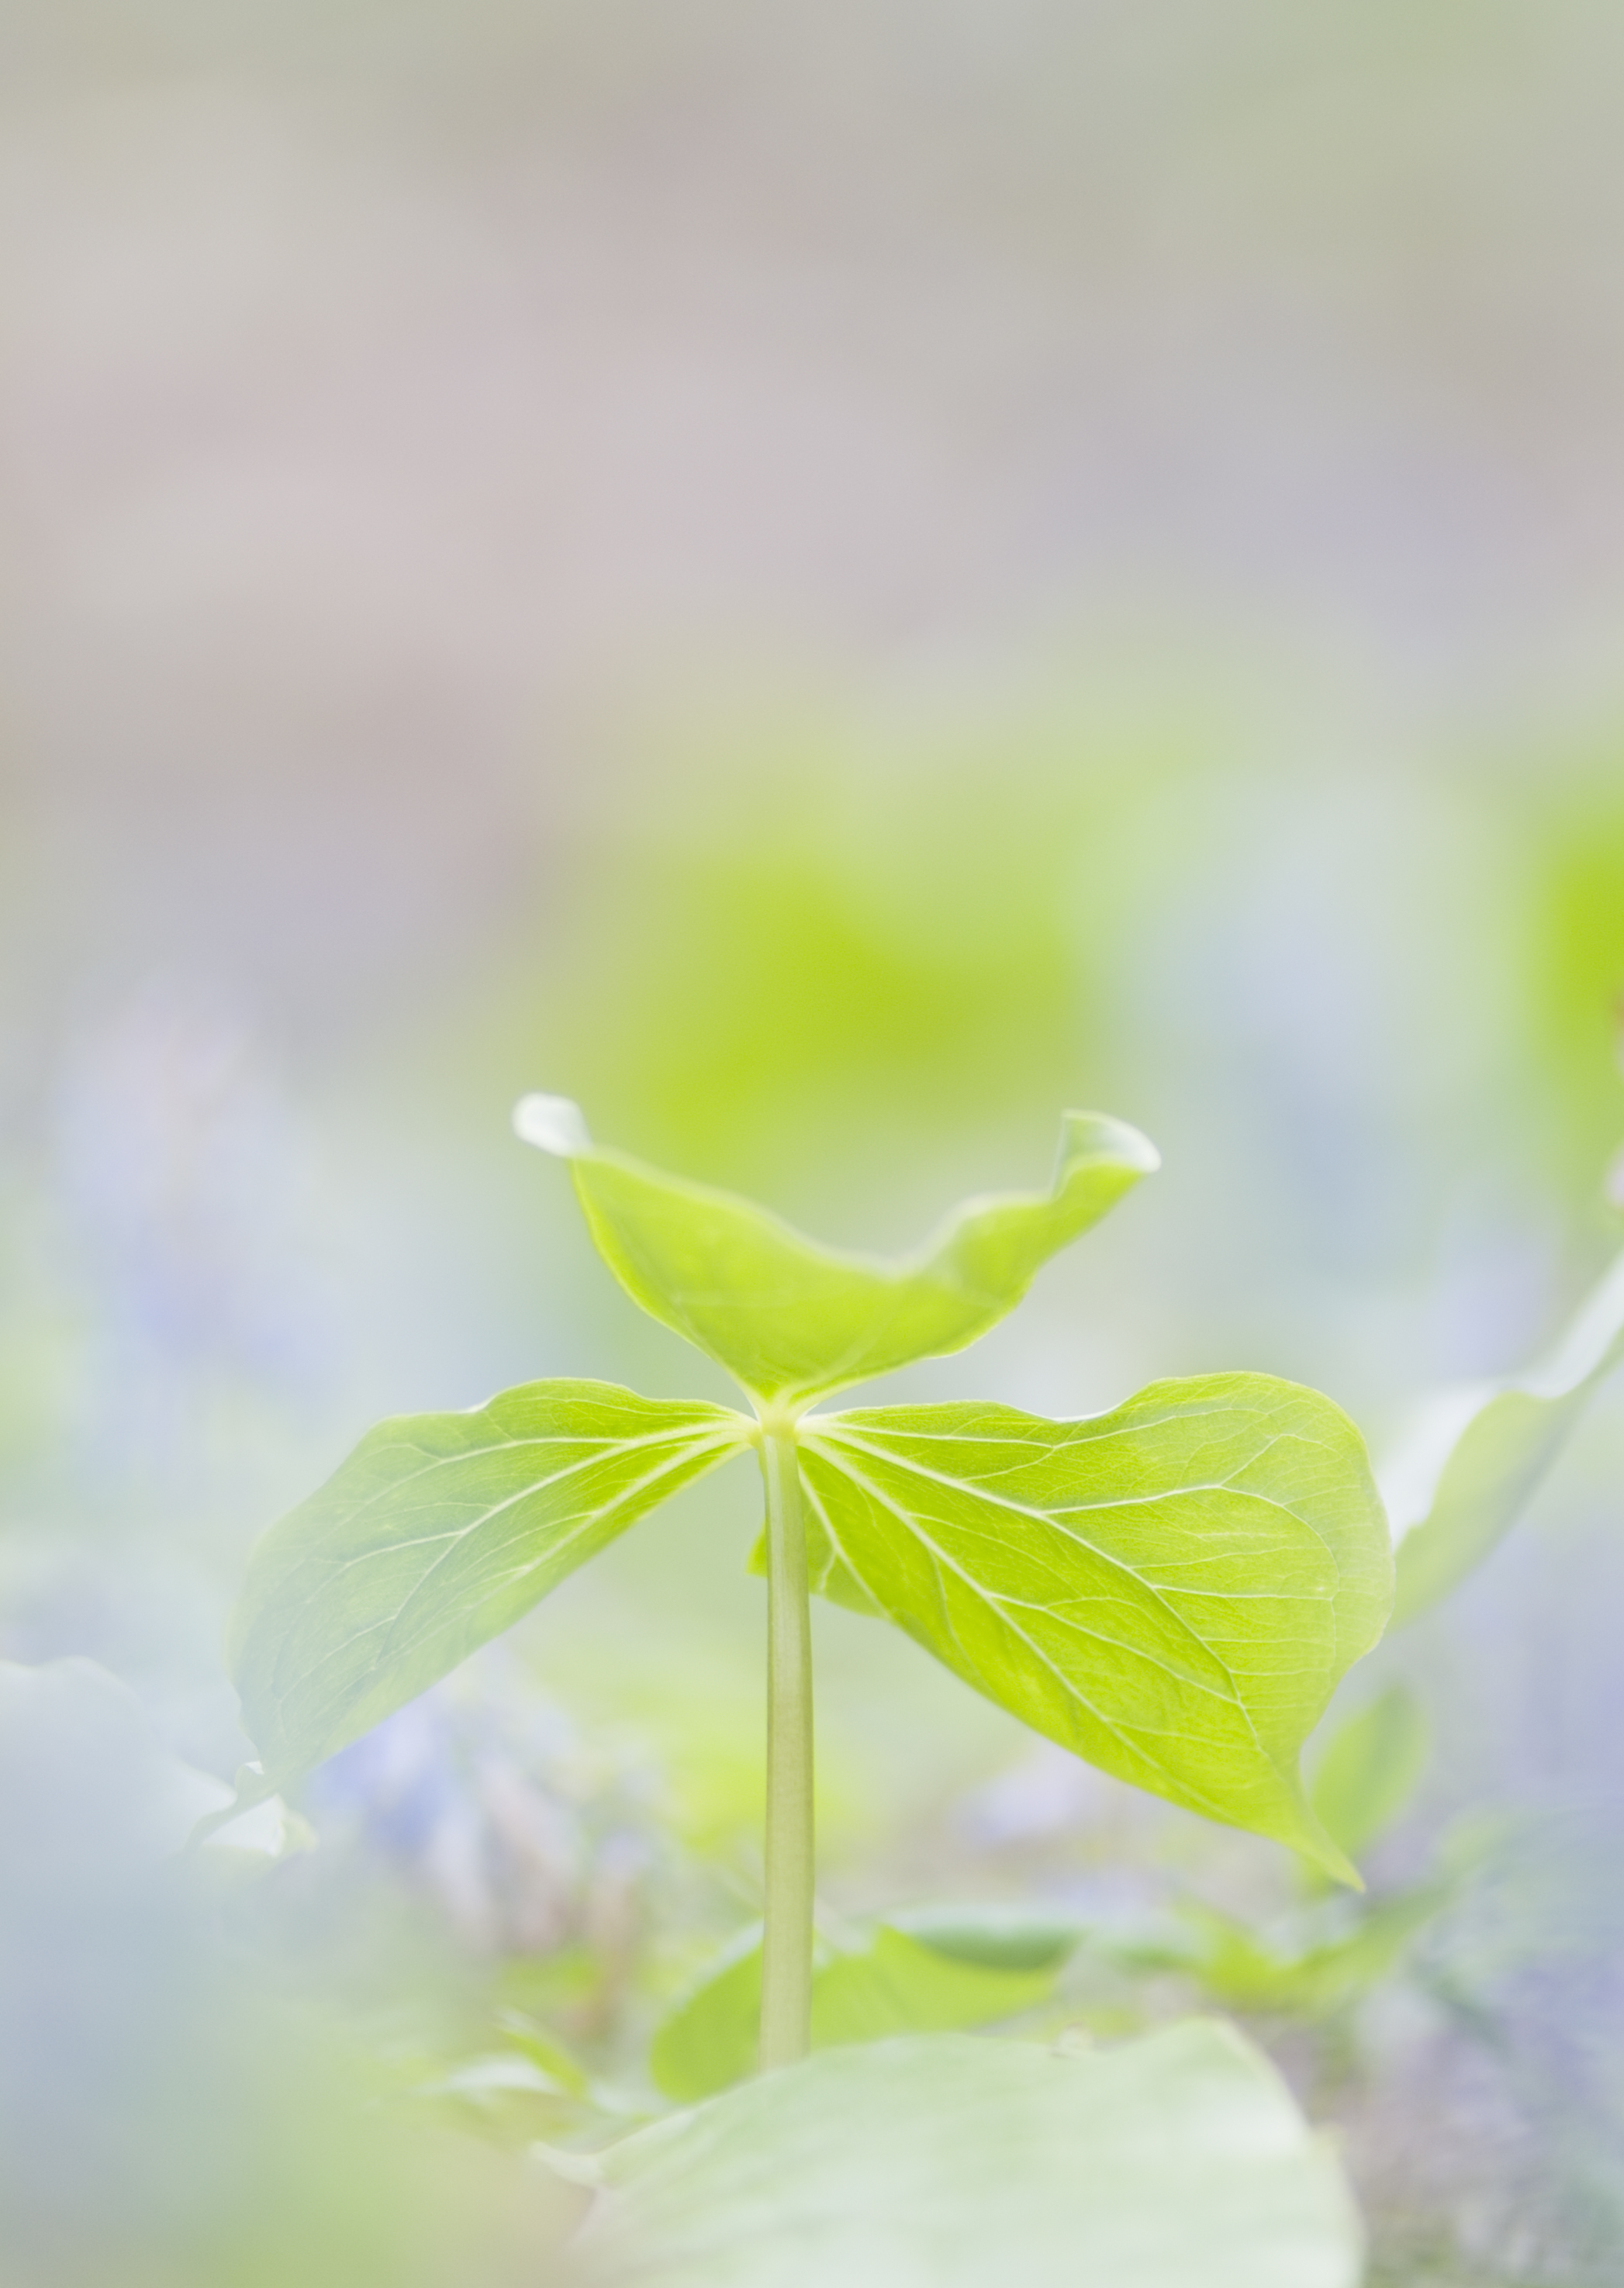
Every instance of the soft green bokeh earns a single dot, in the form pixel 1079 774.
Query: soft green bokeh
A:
pixel 1370 1769
pixel 888 1982
pixel 1303 1976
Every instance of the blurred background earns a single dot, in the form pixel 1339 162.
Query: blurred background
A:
pixel 829 581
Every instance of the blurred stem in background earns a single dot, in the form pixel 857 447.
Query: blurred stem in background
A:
pixel 785 1987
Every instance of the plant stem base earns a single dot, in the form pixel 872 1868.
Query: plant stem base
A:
pixel 786 1945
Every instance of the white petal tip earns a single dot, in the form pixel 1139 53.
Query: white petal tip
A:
pixel 552 1124
pixel 1098 1134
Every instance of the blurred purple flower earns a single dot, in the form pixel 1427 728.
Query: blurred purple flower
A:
pixel 183 1180
pixel 480 1795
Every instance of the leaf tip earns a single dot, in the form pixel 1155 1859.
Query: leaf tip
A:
pixel 552 1124
pixel 1315 1844
pixel 1329 1859
pixel 250 1788
pixel 1099 1135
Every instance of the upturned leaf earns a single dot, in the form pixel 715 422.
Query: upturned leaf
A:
pixel 792 1321
pixel 438 1533
pixel 1171 1591
pixel 891 1981
pixel 1476 1454
pixel 947 2161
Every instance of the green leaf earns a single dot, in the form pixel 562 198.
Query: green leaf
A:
pixel 1000 1936
pixel 708 2038
pixel 894 1983
pixel 1370 1769
pixel 792 1321
pixel 1476 1453
pixel 897 1984
pixel 1171 1591
pixel 946 2161
pixel 545 2052
pixel 1242 1970
pixel 437 1533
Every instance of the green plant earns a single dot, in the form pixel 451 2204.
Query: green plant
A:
pixel 1472 1459
pixel 1172 1590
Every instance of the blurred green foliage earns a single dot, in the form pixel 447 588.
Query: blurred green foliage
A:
pixel 1577 970
pixel 751 994
pixel 1370 1769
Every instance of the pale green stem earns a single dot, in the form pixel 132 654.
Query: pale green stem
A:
pixel 785 1958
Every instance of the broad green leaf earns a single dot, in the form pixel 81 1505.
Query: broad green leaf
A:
pixel 1476 1454
pixel 947 2161
pixel 894 1983
pixel 792 1321
pixel 1171 1591
pixel 437 1533
pixel 1370 1769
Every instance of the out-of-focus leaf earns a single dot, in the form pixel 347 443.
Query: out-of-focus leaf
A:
pixel 1460 1481
pixel 80 1767
pixel 1537 1889
pixel 894 1983
pixel 999 1936
pixel 437 1533
pixel 1371 1769
pixel 507 2098
pixel 791 1319
pixel 544 2051
pixel 1171 1590
pixel 503 2073
pixel 947 2162
pixel 709 2039
pixel 1240 1969
pixel 899 1985
pixel 163 2116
